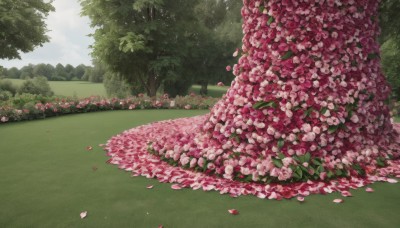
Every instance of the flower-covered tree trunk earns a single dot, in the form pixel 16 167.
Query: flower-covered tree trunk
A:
pixel 308 101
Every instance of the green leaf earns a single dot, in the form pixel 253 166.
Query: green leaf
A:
pixel 320 169
pixel 373 56
pixel 307 157
pixel 299 172
pixel 287 55
pixel 270 20
pixel 316 161
pixel 261 9
pixel 308 112
pixel 323 110
pixel 281 155
pixel 333 129
pixel 330 174
pixel 278 163
pixel 281 142
pixel 263 104
pixel 380 162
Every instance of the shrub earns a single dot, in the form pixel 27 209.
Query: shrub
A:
pixel 38 85
pixel 6 85
pixel 116 86
pixel 5 95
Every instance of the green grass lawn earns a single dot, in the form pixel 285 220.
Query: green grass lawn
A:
pixel 213 91
pixel 47 179
pixel 84 89
pixel 80 89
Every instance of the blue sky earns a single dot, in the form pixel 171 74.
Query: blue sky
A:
pixel 69 43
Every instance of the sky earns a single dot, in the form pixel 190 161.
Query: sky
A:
pixel 69 41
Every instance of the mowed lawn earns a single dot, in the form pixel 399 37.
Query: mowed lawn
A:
pixel 47 178
pixel 84 89
pixel 80 89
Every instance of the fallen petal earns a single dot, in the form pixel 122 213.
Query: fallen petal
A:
pixel 88 148
pixel 94 168
pixel 346 194
pixel 369 190
pixel 392 181
pixel 233 211
pixel 300 199
pixel 150 187
pixel 160 226
pixel 83 214
pixel 176 187
pixel 338 201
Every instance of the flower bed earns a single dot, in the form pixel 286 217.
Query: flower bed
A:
pixel 30 107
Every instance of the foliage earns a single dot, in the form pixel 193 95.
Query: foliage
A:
pixel 116 86
pixel 219 30
pixel 6 85
pixel 22 26
pixel 391 65
pixel 38 85
pixel 144 40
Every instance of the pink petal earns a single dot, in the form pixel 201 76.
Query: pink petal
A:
pixel 300 198
pixel 83 214
pixel 88 148
pixel 338 201
pixel 392 181
pixel 346 194
pixel 233 211
pixel 150 187
pixel 160 226
pixel 369 190
pixel 176 187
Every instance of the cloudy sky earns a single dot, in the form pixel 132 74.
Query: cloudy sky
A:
pixel 69 43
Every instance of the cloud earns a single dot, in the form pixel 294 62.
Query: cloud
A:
pixel 69 41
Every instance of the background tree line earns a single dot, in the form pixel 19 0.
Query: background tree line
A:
pixel 57 73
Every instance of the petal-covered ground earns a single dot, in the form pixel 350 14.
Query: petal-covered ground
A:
pixel 129 150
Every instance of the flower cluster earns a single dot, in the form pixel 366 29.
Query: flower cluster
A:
pixel 39 107
pixel 308 101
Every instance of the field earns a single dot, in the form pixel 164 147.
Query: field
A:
pixel 47 178
pixel 84 89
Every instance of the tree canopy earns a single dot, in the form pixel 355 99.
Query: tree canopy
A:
pixel 22 26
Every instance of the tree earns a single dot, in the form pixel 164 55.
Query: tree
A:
pixel 79 71
pixel 13 72
pixel 69 70
pixel 45 70
pixel 27 72
pixel 142 40
pixel 22 26
pixel 219 30
pixel 60 73
pixel 390 40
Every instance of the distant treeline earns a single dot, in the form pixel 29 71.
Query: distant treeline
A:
pixel 56 73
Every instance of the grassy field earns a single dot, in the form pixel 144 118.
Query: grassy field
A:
pixel 84 89
pixel 47 178
pixel 213 91
pixel 80 89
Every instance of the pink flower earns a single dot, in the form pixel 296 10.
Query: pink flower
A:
pixel 228 68
pixel 220 84
pixel 354 118
pixel 229 170
pixel 235 54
